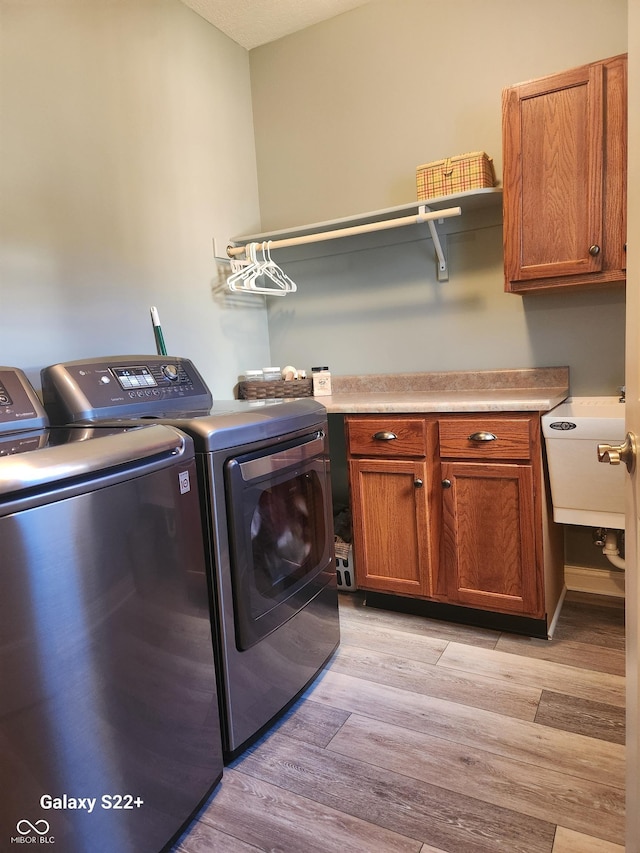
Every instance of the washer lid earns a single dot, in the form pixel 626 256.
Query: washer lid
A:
pixel 61 455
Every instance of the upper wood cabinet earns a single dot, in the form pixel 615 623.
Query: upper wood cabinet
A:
pixel 564 176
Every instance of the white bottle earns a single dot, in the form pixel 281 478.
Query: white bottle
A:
pixel 321 381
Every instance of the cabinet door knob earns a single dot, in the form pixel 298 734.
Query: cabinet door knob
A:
pixel 418 483
pixel 446 484
pixel 594 250
pixel 482 436
pixel 384 436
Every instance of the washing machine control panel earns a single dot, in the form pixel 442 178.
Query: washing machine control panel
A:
pixel 23 442
pixel 5 399
pixel 20 407
pixel 123 387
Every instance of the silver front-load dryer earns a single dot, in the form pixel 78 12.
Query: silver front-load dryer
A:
pixel 109 726
pixel 262 466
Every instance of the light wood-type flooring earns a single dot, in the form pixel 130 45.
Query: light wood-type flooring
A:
pixel 426 737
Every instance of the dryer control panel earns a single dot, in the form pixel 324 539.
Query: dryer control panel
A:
pixel 134 386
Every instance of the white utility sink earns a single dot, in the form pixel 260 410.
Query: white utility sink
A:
pixel 583 490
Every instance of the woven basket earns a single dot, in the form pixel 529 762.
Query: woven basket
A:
pixel 275 388
pixel 455 175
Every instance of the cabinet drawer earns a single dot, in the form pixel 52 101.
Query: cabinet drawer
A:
pixel 386 437
pixel 485 438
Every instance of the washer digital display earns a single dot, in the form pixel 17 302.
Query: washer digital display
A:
pixel 134 377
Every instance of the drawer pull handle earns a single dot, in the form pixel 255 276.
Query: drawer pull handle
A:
pixel 418 483
pixel 384 436
pixel 482 436
pixel 446 484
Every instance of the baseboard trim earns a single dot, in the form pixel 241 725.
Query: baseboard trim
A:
pixel 597 581
pixel 511 622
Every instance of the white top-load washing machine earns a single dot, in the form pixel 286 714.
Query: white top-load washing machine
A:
pixel 265 492
pixel 109 726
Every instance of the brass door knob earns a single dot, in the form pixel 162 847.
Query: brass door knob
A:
pixel 614 454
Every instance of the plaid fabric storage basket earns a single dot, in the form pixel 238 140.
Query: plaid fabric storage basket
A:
pixel 455 175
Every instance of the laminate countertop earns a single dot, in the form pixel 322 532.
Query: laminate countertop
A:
pixel 517 390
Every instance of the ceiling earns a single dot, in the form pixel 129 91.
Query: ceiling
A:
pixel 251 23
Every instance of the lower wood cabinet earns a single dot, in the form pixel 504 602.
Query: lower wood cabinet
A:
pixel 391 525
pixel 391 475
pixel 452 509
pixel 489 557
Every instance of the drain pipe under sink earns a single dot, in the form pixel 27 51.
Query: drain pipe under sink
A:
pixel 611 550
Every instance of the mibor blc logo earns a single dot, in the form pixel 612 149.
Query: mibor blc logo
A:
pixel 33 833
pixel 24 827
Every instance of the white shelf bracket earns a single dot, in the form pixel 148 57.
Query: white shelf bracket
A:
pixel 438 244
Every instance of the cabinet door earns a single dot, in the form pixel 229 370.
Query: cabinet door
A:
pixel 564 139
pixel 390 525
pixel 553 146
pixel 489 544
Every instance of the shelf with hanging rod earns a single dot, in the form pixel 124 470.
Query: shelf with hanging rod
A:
pixel 429 212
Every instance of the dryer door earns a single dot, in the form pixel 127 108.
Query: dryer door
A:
pixel 281 531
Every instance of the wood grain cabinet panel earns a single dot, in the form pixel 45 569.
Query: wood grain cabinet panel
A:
pixel 392 462
pixel 462 522
pixel 390 437
pixel 485 438
pixel 491 555
pixel 391 525
pixel 564 176
pixel 489 543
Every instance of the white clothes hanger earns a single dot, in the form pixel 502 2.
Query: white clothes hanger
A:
pixel 244 270
pixel 271 269
pixel 245 279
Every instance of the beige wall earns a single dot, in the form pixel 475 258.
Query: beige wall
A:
pixel 126 145
pixel 344 112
